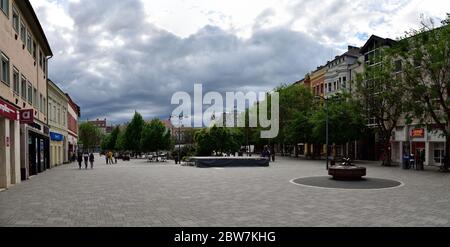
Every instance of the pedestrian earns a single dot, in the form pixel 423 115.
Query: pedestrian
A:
pixel 115 157
pixel 107 158
pixel 86 159
pixel 110 158
pixel 91 160
pixel 79 159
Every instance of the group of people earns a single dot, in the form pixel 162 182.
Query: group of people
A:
pixel 111 158
pixel 87 158
pixel 268 153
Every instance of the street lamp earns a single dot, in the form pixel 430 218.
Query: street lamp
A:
pixel 327 128
pixel 180 122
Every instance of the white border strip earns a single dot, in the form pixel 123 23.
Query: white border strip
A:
pixel 342 189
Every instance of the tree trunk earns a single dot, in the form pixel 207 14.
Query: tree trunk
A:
pixel 387 161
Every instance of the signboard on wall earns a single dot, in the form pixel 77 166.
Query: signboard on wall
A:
pixel 418 133
pixel 56 137
pixel 27 116
pixel 7 110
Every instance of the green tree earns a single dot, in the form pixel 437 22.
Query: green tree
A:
pixel 120 143
pixel 89 136
pixel 382 94
pixel 346 121
pixel 132 138
pixel 155 137
pixel 109 141
pixel 425 56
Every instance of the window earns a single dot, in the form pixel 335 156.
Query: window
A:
pixel 35 102
pixel 40 58
pixel 50 112
pixel 4 70
pixel 24 88
pixel 16 86
pixel 439 156
pixel 23 31
pixel 44 107
pixel 59 115
pixel 30 93
pixel 4 5
pixel 34 49
pixel 15 20
pixel 29 42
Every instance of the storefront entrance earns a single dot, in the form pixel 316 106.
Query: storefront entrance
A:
pixel 39 153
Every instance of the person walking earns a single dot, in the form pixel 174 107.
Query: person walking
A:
pixel 115 157
pixel 79 159
pixel 106 158
pixel 91 160
pixel 110 157
pixel 86 159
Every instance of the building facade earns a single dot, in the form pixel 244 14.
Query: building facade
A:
pixel 24 52
pixel 73 116
pixel 101 124
pixel 57 120
pixel 338 77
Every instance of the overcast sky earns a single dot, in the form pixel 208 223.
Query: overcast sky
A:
pixel 117 56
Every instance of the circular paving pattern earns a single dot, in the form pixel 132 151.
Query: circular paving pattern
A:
pixel 363 184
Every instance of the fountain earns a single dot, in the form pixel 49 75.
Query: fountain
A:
pixel 347 171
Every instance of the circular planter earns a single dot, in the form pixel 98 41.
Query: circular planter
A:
pixel 347 173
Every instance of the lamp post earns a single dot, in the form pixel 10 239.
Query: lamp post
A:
pixel 327 129
pixel 180 122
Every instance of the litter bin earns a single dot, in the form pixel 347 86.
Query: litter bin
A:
pixel 406 164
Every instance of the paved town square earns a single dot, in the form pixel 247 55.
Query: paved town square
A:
pixel 138 193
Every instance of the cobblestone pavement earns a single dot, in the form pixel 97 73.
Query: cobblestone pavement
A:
pixel 144 194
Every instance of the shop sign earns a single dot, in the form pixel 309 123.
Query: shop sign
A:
pixel 418 133
pixel 7 110
pixel 56 137
pixel 27 116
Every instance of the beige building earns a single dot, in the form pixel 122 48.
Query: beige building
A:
pixel 24 52
pixel 57 120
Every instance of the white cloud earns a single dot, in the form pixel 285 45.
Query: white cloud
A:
pixel 117 56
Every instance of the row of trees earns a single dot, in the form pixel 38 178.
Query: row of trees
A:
pixel 139 136
pixel 303 118
pixel 410 84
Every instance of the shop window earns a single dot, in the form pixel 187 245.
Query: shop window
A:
pixel 439 156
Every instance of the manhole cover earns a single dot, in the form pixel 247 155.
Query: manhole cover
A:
pixel 364 184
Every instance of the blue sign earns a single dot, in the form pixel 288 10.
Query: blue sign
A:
pixel 56 137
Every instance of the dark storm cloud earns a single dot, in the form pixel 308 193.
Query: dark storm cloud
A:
pixel 114 62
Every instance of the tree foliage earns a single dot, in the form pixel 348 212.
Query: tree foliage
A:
pixel 218 140
pixel 89 136
pixel 155 137
pixel 425 56
pixel 133 133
